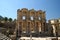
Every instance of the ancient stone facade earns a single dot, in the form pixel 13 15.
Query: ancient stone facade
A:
pixel 30 21
pixel 56 26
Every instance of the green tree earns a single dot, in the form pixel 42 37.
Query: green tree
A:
pixel 5 19
pixel 1 18
pixel 14 19
pixel 10 19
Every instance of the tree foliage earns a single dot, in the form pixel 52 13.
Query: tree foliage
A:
pixel 1 18
pixel 10 19
pixel 5 19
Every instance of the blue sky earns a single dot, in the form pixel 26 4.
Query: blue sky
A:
pixel 8 8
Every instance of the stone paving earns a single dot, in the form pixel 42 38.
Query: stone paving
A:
pixel 38 38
